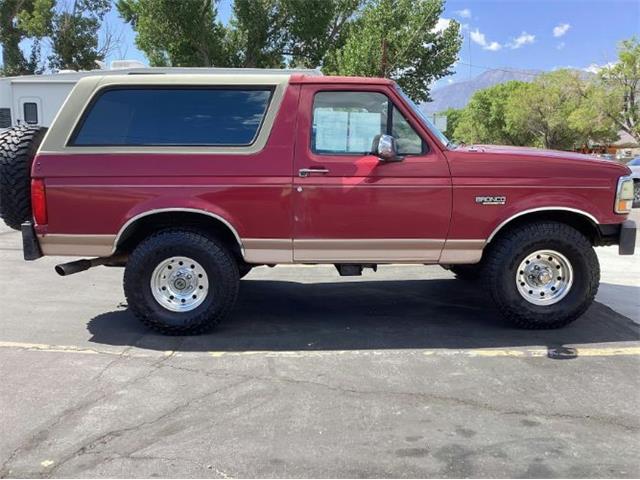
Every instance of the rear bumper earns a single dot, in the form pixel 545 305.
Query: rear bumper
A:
pixel 627 238
pixel 30 246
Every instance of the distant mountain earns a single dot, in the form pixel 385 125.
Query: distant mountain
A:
pixel 457 94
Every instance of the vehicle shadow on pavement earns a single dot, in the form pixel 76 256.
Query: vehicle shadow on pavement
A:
pixel 360 315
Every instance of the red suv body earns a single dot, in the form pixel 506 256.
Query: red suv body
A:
pixel 339 170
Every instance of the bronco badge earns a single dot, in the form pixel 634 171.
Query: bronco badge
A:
pixel 491 200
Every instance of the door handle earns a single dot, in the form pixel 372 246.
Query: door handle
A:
pixel 305 172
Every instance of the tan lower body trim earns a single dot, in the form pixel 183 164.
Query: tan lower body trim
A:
pixel 77 245
pixel 268 250
pixel 462 251
pixel 368 250
pixel 275 250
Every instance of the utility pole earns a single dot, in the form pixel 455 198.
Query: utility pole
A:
pixel 383 60
pixel 469 50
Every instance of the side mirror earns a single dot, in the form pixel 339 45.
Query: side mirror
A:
pixel 384 146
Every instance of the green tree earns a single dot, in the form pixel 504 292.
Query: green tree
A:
pixel 398 39
pixel 74 35
pixel 317 28
pixel 484 119
pixel 15 27
pixel 391 38
pixel 257 34
pixel 590 120
pixel 619 95
pixel 274 33
pixel 178 34
pixel 542 108
pixel 553 110
pixel 71 29
pixel 261 33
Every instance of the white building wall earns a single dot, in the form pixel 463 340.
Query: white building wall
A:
pixel 48 96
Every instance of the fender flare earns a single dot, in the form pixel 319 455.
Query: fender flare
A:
pixel 540 209
pixel 148 213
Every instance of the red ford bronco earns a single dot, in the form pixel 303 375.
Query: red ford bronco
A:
pixel 189 181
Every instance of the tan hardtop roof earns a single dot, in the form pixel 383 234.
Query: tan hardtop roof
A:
pixel 186 79
pixel 73 77
pixel 225 79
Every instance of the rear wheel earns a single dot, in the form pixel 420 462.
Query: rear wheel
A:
pixel 542 275
pixel 181 282
pixel 18 146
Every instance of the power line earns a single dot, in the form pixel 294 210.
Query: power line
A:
pixel 508 70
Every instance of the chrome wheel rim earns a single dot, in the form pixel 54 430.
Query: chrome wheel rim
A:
pixel 544 277
pixel 179 284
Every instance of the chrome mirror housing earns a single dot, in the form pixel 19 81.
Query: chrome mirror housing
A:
pixel 386 149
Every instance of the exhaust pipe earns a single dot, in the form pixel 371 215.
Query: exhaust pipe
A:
pixel 77 266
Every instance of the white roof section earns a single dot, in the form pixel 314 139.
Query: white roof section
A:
pixel 73 77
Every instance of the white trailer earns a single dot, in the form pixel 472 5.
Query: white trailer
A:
pixel 36 99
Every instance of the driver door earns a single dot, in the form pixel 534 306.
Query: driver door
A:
pixel 349 207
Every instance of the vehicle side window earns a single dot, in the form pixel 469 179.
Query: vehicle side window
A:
pixel 348 122
pixel 174 117
pixel 408 141
pixel 30 111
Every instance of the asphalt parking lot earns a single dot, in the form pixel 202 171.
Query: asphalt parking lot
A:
pixel 404 373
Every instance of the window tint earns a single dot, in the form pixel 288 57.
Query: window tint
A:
pixel 348 122
pixel 172 116
pixel 30 110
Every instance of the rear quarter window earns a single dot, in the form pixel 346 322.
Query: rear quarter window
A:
pixel 174 117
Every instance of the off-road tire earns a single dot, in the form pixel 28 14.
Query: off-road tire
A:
pixel 507 252
pixel 18 146
pixel 217 261
pixel 468 273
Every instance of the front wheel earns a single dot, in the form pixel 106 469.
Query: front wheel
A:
pixel 181 282
pixel 543 275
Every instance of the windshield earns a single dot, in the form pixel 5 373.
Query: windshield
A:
pixel 425 120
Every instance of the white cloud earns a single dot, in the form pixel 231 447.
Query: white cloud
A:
pixel 561 45
pixel 441 24
pixel 464 13
pixel 524 39
pixel 560 30
pixel 480 38
pixel 595 68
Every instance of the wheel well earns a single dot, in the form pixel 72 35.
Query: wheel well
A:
pixel 145 226
pixel 580 222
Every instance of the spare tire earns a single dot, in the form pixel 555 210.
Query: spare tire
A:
pixel 18 146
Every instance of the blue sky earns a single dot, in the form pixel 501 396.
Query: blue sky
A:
pixel 511 34
pixel 540 34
